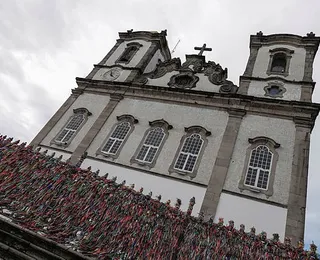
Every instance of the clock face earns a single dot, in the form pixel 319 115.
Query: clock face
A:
pixel 111 74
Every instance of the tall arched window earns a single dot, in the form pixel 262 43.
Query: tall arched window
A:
pixel 152 143
pixel 189 153
pixel 73 125
pixel 279 63
pixel 260 165
pixel 131 49
pixel 117 136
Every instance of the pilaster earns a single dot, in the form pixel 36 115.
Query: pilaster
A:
pixel 96 127
pixel 295 223
pixel 221 165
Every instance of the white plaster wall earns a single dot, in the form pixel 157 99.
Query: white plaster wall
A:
pixel 169 189
pixel 297 62
pixel 137 57
pixel 264 217
pixel 94 103
pixel 179 117
pixel 280 130
pixel 123 74
pixel 65 156
pixel 203 84
pixel 153 62
pixel 293 91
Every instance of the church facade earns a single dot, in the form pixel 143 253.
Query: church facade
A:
pixel 184 130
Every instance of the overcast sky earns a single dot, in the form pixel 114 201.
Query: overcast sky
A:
pixel 45 44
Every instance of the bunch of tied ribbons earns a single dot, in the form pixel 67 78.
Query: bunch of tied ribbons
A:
pixel 100 218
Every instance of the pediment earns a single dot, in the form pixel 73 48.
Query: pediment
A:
pixel 194 73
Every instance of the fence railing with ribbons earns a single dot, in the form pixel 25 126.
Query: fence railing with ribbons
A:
pixel 101 218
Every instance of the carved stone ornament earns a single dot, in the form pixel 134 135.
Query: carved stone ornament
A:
pixel 228 87
pixel 215 73
pixel 194 63
pixel 161 69
pixel 183 80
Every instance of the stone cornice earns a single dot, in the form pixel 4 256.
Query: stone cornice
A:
pixel 311 83
pixel 255 105
pixel 288 39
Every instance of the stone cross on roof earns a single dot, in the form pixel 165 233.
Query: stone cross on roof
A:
pixel 202 49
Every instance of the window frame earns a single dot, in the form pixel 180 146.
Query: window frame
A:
pixel 272 146
pixel 190 131
pixel 77 111
pixel 121 119
pixel 270 85
pixel 274 52
pixel 153 125
pixel 129 45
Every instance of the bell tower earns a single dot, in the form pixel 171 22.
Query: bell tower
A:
pixel 135 53
pixel 280 67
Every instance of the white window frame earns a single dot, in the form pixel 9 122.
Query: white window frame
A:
pixel 188 155
pixel 115 139
pixel 259 169
pixel 79 111
pixel 149 146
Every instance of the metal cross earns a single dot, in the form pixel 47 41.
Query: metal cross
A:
pixel 202 49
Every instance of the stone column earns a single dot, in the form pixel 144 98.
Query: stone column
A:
pixel 299 180
pixel 56 117
pixel 221 165
pixel 96 127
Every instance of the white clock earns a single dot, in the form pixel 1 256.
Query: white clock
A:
pixel 112 74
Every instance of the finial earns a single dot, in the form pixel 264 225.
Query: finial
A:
pixel 201 216
pixel 130 31
pixel 231 223
pixel 242 228
pixel 311 34
pixel 178 204
pixel 313 247
pixel 83 156
pixel 221 222
pixel 275 237
pixel 191 204
pixel 260 33
pixel 287 241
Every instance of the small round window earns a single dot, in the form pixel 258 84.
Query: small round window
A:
pixel 274 91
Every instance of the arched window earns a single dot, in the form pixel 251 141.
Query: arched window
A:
pixel 73 125
pixel 259 167
pixel 129 52
pixel 279 63
pixel 117 137
pixel 188 156
pixel 189 153
pixel 152 143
